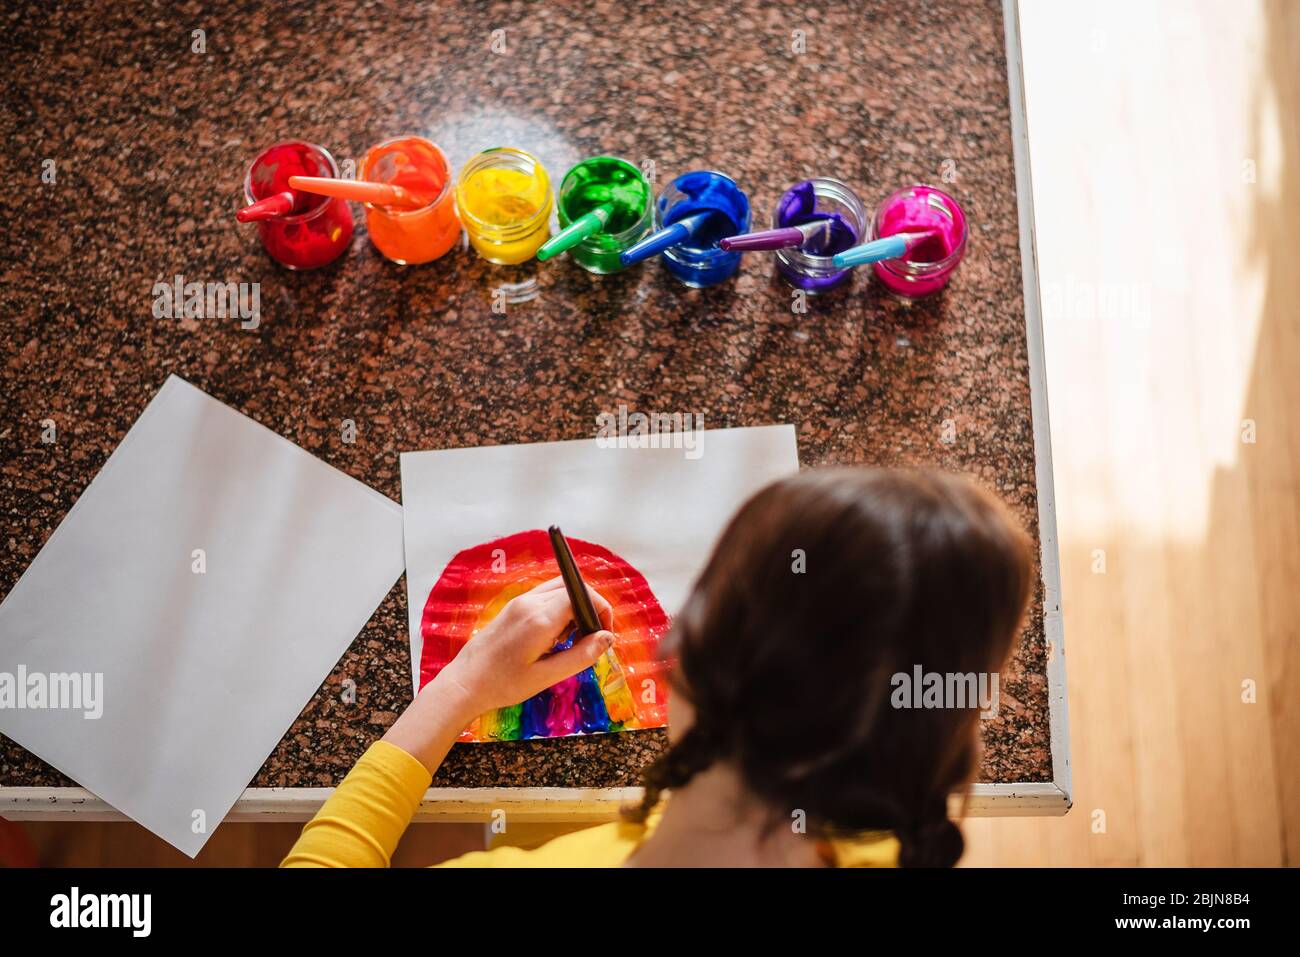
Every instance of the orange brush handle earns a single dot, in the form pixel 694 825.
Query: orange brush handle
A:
pixel 360 191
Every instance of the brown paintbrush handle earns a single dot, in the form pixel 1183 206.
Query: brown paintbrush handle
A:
pixel 584 612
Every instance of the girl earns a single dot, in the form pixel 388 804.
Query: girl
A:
pixel 785 748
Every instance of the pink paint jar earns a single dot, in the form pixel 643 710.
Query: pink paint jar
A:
pixel 930 264
pixel 319 228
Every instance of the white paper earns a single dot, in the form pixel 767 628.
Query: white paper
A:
pixel 656 508
pixel 202 673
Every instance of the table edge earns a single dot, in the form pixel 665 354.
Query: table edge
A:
pixel 1053 625
pixel 452 805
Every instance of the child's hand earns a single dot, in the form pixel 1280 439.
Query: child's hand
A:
pixel 508 661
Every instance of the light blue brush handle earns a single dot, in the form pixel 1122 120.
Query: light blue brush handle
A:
pixel 891 247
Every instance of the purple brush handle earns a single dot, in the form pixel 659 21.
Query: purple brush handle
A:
pixel 767 239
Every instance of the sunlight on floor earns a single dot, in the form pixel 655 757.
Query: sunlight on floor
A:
pixel 1152 278
pixel 1164 136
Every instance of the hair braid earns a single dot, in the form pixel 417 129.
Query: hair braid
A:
pixel 930 838
pixel 695 752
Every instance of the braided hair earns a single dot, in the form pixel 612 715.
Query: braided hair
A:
pixel 823 589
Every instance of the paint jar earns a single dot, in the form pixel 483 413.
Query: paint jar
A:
pixel 411 236
pixel 617 184
pixel 319 229
pixel 504 199
pixel 822 198
pixel 930 264
pixel 699 262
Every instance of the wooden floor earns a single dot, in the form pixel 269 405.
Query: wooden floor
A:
pixel 1165 140
pixel 1165 137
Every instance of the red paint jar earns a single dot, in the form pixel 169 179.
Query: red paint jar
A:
pixel 319 229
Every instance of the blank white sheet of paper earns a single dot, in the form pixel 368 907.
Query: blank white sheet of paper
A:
pixel 213 573
pixel 657 508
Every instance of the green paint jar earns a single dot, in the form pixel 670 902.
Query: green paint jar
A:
pixel 616 183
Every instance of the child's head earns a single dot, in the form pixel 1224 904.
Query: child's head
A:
pixel 823 587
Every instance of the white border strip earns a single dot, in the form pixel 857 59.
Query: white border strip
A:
pixel 1059 720
pixel 452 805
pixel 447 805
pixel 602 804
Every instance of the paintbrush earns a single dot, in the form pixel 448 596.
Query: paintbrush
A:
pixel 674 235
pixel 279 204
pixel 578 230
pixel 787 237
pixel 584 612
pixel 613 682
pixel 878 250
pixel 360 191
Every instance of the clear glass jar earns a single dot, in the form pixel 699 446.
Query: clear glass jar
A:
pixel 911 209
pixel 818 274
pixel 504 199
pixel 695 266
pixel 411 236
pixel 306 240
pixel 599 252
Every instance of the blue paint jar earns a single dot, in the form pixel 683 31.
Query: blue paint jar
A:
pixel 699 262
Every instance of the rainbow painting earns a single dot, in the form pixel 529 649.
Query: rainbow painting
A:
pixel 627 689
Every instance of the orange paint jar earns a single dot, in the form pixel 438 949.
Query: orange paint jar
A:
pixel 411 236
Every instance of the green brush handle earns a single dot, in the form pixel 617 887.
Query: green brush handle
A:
pixel 574 233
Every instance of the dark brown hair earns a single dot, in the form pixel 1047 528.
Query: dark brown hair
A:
pixel 822 588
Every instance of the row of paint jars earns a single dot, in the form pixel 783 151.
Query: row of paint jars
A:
pixel 503 200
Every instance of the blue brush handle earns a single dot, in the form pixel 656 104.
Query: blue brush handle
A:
pixel 891 247
pixel 666 238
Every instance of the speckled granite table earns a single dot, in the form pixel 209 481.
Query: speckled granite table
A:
pixel 149 140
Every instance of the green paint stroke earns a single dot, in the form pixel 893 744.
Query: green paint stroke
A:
pixel 503 724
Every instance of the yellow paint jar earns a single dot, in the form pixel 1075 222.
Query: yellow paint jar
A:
pixel 504 199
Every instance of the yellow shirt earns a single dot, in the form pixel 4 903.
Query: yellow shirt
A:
pixel 361 823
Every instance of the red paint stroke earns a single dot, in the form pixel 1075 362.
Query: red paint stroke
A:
pixel 478 582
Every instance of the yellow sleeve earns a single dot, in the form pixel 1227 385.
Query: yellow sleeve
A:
pixel 365 817
pixel 610 845
pixel 602 845
pixel 362 822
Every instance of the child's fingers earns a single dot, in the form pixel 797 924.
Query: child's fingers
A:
pixel 541 616
pixel 565 664
pixel 604 611
pixel 546 613
pixel 555 586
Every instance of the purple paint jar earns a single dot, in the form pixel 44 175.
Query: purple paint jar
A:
pixel 819 199
pixel 930 264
